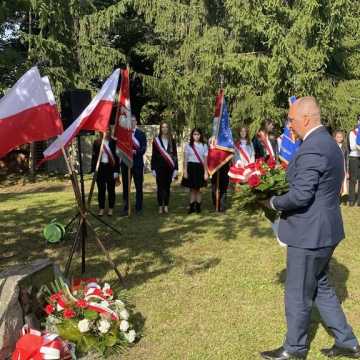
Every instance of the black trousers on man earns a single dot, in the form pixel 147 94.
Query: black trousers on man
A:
pixel 105 181
pixel 307 284
pixel 163 182
pixel 138 174
pixel 354 174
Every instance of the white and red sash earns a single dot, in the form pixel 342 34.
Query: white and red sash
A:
pixel 135 141
pixel 109 154
pixel 264 139
pixel 243 153
pixel 201 161
pixel 166 156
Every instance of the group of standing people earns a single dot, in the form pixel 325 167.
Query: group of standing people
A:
pixel 164 165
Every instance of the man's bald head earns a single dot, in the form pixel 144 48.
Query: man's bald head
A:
pixel 304 115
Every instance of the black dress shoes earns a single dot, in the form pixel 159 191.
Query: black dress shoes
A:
pixel 336 351
pixel 281 354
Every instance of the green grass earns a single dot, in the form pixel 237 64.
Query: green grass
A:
pixel 207 286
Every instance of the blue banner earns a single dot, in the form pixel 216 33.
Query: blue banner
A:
pixel 224 139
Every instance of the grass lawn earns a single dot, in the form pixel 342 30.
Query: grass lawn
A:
pixel 207 286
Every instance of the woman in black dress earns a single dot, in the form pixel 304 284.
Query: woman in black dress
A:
pixel 195 168
pixel 164 165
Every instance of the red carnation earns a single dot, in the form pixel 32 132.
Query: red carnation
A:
pixel 271 163
pixel 254 180
pixel 69 313
pixel 49 309
pixel 82 304
pixel 55 297
pixel 109 292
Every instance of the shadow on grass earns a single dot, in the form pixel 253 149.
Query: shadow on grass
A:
pixel 143 251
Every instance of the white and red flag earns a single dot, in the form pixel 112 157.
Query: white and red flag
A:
pixel 94 117
pixel 28 113
pixel 123 125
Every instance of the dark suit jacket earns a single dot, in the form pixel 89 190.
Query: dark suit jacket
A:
pixel 139 155
pixel 157 160
pixel 95 154
pixel 311 216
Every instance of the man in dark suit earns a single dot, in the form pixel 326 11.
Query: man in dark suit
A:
pixel 312 227
pixel 137 171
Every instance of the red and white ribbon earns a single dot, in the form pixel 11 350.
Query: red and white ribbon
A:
pixel 164 153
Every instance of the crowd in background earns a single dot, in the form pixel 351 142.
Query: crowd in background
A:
pixel 164 165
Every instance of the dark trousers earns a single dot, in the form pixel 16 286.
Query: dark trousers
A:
pixel 105 181
pixel 307 284
pixel 138 174
pixel 163 182
pixel 354 174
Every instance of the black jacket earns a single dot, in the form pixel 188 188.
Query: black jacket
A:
pixel 157 160
pixel 95 154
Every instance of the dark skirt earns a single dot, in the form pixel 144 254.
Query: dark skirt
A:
pixel 195 178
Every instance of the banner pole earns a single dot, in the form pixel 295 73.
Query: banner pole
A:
pixel 96 171
pixel 218 191
pixel 129 188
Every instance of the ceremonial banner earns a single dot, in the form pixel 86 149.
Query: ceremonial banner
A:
pixel 28 112
pixel 123 126
pixel 94 117
pixel 222 146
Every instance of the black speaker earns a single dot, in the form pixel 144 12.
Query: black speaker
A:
pixel 73 102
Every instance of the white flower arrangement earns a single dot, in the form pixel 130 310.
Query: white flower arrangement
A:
pixel 104 326
pixel 130 336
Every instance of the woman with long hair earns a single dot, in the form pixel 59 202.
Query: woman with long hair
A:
pixel 244 149
pixel 195 168
pixel 164 165
pixel 264 146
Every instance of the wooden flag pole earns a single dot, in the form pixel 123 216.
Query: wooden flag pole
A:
pixel 96 171
pixel 129 189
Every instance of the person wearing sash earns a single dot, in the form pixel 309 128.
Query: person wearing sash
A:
pixel 164 165
pixel 354 167
pixel 137 170
pixel 244 155
pixel 264 146
pixel 108 172
pixel 339 138
pixel 244 149
pixel 195 168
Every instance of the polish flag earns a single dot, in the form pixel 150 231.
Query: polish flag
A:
pixel 123 126
pixel 95 116
pixel 27 113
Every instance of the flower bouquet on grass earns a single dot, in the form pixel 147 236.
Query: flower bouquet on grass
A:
pixel 90 316
pixel 260 181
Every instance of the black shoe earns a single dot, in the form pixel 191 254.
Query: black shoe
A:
pixel 191 208
pixel 198 207
pixel 281 354
pixel 336 351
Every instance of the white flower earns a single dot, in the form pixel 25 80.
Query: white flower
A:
pixel 130 336
pixel 84 325
pixel 124 325
pixel 124 314
pixel 59 308
pixel 119 304
pixel 104 326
